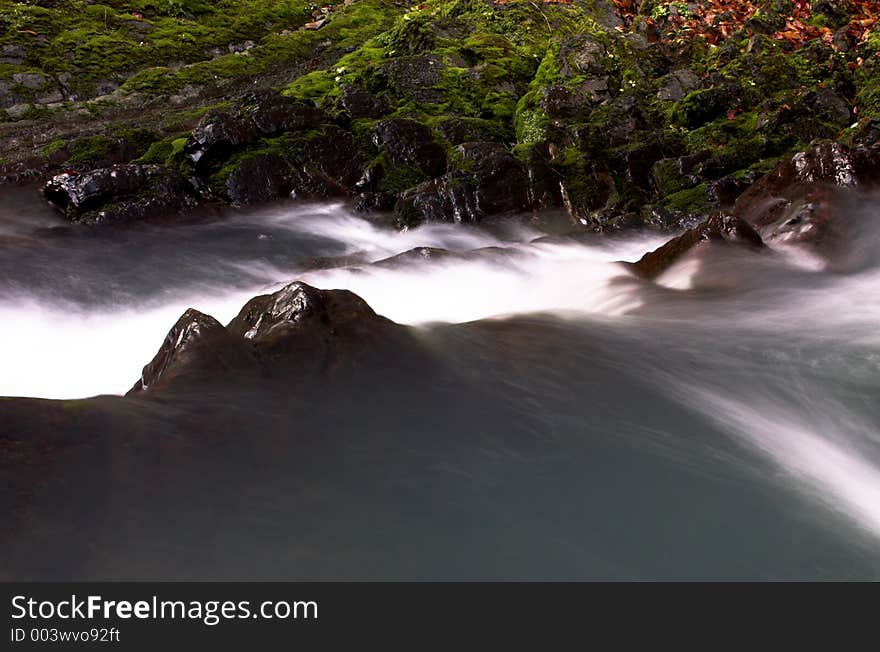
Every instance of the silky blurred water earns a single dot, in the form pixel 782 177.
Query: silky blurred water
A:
pixel 742 387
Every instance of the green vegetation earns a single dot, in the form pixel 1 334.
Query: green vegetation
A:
pixel 626 119
pixel 101 44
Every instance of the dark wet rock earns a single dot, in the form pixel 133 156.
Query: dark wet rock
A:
pixel 415 76
pixel 197 347
pixel 296 332
pixel 577 100
pixel 360 103
pixel 75 193
pixel 727 189
pixel 661 218
pixel 300 328
pixel 220 133
pixel 330 165
pixel 408 142
pixel 259 178
pixel 371 177
pixel 119 193
pixel 169 194
pixel 501 182
pixel 544 188
pixel 493 182
pixel 272 113
pixel 217 136
pixel 449 198
pixel 309 183
pixel 719 228
pixel 792 203
pixel 375 202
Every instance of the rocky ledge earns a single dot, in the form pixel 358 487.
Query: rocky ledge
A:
pixel 625 115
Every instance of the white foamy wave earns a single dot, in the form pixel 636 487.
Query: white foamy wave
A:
pixel 375 240
pixel 531 278
pixel 61 351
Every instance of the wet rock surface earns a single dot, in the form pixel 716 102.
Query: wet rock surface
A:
pixel 494 183
pixel 196 348
pixel 76 193
pixel 793 203
pixel 617 120
pixel 294 333
pixel 718 229
pixel 119 193
pixel 409 143
pixel 258 179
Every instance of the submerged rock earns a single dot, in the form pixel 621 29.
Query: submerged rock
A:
pixel 719 228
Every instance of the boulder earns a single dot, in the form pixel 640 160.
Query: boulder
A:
pixel 75 193
pixel 544 180
pixel 197 346
pixel 272 113
pixel 217 135
pixel 720 228
pixel 360 103
pixel 491 182
pixel 335 155
pixel 295 332
pixel 408 142
pixel 119 193
pixel 792 203
pixel 449 198
pixel 259 178
pixel 167 194
pixel 500 180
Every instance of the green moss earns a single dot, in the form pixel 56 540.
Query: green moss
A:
pixel 868 98
pixel 54 146
pixel 397 178
pixel 91 150
pixel 691 200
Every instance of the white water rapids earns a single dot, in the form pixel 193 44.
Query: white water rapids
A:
pixel 776 351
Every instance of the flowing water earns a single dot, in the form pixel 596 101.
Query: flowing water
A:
pixel 722 422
